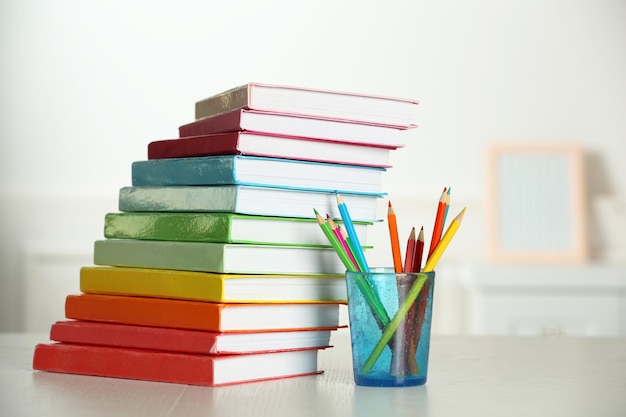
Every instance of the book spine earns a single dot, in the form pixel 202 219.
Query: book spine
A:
pixel 137 337
pixel 180 285
pixel 190 227
pixel 221 103
pixel 220 144
pixel 144 311
pixel 214 170
pixel 184 256
pixel 175 199
pixel 114 362
pixel 226 122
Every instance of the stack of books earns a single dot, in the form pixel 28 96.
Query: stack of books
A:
pixel 215 270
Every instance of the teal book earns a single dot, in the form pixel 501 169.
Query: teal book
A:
pixel 217 257
pixel 262 171
pixel 220 228
pixel 243 199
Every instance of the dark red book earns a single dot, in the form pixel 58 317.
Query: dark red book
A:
pixel 266 145
pixel 181 368
pixel 301 126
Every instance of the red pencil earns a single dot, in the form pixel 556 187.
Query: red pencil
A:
pixel 419 251
pixel 410 253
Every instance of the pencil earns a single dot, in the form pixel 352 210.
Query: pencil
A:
pixel 395 242
pixel 445 215
pixel 438 226
pixel 337 231
pixel 409 260
pixel 419 251
pixel 445 241
pixel 347 221
pixel 335 242
pixel 348 241
pixel 389 331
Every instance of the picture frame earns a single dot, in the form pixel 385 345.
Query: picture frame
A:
pixel 536 210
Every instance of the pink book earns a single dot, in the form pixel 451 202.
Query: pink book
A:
pixel 295 126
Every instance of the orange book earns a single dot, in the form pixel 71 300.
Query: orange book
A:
pixel 198 315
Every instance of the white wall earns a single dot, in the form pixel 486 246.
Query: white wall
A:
pixel 87 84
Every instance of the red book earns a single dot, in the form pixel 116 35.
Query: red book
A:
pixel 301 126
pixel 185 341
pixel 181 368
pixel 199 315
pixel 266 145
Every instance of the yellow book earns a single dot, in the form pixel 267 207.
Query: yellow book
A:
pixel 213 287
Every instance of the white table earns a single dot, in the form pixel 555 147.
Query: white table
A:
pixel 468 376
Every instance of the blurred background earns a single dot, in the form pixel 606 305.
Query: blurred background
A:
pixel 85 86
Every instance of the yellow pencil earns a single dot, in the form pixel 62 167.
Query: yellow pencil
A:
pixel 443 243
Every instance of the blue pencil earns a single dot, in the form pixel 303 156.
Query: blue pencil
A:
pixel 347 221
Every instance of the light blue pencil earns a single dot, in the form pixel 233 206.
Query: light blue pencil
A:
pixel 347 221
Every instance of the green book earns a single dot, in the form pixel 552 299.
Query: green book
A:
pixel 217 257
pixel 220 228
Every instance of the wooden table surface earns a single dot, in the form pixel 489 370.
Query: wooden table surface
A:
pixel 468 376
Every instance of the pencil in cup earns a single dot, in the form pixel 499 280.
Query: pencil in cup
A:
pixel 373 363
pixel 414 292
pixel 377 309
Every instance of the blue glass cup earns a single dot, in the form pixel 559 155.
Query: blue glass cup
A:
pixel 390 317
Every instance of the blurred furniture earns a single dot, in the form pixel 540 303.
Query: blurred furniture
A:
pixel 538 299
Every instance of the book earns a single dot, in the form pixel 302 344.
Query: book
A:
pixel 335 105
pixel 173 367
pixel 185 341
pixel 205 286
pixel 200 315
pixel 218 227
pixel 217 257
pixel 261 144
pixel 252 170
pixel 251 200
pixel 295 126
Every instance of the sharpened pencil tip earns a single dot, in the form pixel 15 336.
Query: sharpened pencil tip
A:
pixel 339 199
pixel 459 216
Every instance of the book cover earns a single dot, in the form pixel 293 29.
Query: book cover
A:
pixel 185 341
pixel 251 200
pixel 272 146
pixel 220 228
pixel 217 257
pixel 173 367
pixel 336 105
pixel 251 170
pixel 206 286
pixel 295 126
pixel 198 315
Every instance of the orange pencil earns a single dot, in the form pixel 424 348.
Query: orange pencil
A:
pixel 395 242
pixel 439 218
pixel 410 252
